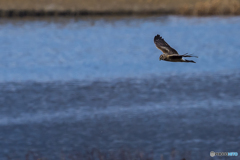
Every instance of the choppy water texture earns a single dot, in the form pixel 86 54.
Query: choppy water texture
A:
pixel 69 85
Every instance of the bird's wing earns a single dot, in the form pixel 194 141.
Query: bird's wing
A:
pixel 163 46
pixel 175 56
pixel 180 56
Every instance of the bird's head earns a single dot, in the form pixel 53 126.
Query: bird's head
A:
pixel 161 57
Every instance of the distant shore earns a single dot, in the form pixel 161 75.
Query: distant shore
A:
pixel 24 8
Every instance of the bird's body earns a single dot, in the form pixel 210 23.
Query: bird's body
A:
pixel 169 53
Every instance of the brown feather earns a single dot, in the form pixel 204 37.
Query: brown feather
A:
pixel 163 46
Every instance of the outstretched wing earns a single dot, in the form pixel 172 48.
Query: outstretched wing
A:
pixel 163 46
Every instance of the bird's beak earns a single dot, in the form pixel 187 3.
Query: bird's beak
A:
pixel 159 59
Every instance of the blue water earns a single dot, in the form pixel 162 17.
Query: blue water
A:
pixel 107 48
pixel 69 85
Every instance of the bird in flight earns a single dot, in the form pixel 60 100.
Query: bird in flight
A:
pixel 169 53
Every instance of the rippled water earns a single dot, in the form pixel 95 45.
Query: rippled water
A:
pixel 69 85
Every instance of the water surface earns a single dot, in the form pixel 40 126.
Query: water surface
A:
pixel 69 85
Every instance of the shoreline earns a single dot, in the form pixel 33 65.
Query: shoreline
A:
pixel 81 13
pixel 74 8
pixel 65 13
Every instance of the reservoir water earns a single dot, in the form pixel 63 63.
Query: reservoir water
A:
pixel 68 85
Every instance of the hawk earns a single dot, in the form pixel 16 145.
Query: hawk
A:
pixel 169 53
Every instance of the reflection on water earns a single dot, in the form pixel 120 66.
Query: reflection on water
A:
pixel 69 85
pixel 84 50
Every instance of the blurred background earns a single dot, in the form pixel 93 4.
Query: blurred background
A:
pixel 82 79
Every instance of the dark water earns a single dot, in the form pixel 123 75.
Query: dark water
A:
pixel 70 85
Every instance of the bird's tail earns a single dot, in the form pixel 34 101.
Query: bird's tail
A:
pixel 189 55
pixel 185 60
